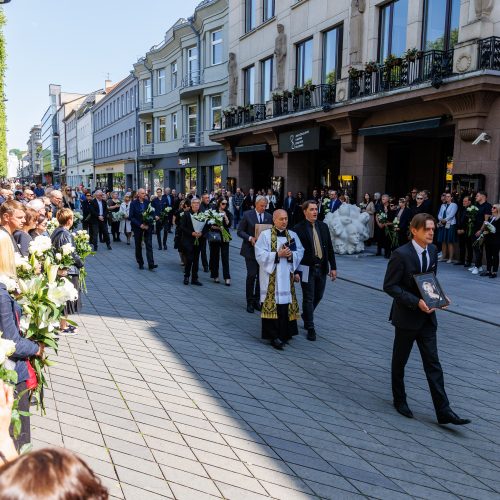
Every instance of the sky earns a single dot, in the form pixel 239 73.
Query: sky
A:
pixel 75 43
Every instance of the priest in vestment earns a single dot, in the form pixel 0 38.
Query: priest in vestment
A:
pixel 278 252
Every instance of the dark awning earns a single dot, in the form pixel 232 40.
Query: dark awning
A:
pixel 397 128
pixel 251 148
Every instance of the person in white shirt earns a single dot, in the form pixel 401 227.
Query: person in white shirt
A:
pixel 447 233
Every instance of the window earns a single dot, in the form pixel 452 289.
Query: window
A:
pixel 173 70
pixel 215 111
pixel 193 73
pixel 393 21
pixel 249 85
pixel 174 126
pixel 266 83
pixel 304 62
pixel 162 129
pixel 268 10
pixel 148 96
pixel 332 54
pixel 148 133
pixel 216 40
pixel 441 23
pixel 192 123
pixel 124 110
pixel 161 81
pixel 250 14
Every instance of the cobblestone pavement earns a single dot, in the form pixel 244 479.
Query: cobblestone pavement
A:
pixel 168 392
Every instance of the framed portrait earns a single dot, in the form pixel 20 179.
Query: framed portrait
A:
pixel 430 290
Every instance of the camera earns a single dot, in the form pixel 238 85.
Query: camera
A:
pixel 482 137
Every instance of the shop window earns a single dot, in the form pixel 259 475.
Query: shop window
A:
pixel 162 129
pixel 304 62
pixel 393 22
pixel 249 85
pixel 268 10
pixel 148 133
pixel 266 68
pixel 218 171
pixel 250 14
pixel 332 54
pixel 441 24
pixel 158 179
pixel 161 81
pixel 217 47
pixel 215 111
pixel 190 178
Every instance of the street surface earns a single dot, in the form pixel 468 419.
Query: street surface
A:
pixel 168 391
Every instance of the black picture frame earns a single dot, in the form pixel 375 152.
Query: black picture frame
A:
pixel 430 290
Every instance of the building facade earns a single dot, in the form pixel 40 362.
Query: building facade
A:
pixel 115 137
pixel 182 90
pixel 363 95
pixel 34 154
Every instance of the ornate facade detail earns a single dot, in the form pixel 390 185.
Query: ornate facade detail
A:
pixel 463 63
pixel 469 134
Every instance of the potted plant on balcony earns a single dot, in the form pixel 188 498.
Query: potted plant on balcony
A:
pixel 371 67
pixel 353 72
pixel 391 61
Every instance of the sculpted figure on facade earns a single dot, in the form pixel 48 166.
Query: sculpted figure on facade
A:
pixel 280 55
pixel 232 70
pixel 348 229
pixel 356 30
pixel 483 8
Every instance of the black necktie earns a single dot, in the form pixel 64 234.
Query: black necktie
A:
pixel 424 261
pixel 260 218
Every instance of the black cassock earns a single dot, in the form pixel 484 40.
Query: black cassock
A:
pixel 280 328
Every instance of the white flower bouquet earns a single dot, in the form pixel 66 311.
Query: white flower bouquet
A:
pixel 77 218
pixel 24 268
pixel 489 228
pixel 64 257
pixel 84 250
pixel 382 217
pixel 164 213
pixel 471 214
pixel 199 221
pixel 148 216
pixel 216 218
pixel 326 205
pixel 9 376
pixel 118 216
pixel 52 225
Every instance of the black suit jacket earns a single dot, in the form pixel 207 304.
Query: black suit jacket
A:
pixel 246 228
pixel 94 211
pixel 401 286
pixel 289 204
pixel 328 261
pixel 249 202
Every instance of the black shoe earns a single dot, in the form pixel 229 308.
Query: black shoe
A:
pixel 277 344
pixel 164 247
pixel 468 264
pixel 154 266
pixel 109 247
pixel 205 269
pixel 458 264
pixel 141 266
pixel 493 275
pixel 197 283
pixel 159 248
pixel 257 306
pixel 311 334
pixel 403 409
pixel 250 308
pixel 484 273
pixel 186 281
pixel 452 418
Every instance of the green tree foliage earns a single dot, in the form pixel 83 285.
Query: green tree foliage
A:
pixel 3 116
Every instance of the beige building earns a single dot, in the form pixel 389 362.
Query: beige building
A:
pixel 365 95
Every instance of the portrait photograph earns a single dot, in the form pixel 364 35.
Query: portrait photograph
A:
pixel 430 290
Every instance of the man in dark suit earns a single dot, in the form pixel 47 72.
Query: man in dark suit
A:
pixel 98 220
pixel 319 259
pixel 191 246
pixel 246 231
pixel 249 201
pixel 142 231
pixel 290 205
pixel 414 321
pixel 168 201
pixel 334 203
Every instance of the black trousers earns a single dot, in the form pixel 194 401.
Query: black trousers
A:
pixel 100 229
pixel 478 254
pixel 312 293
pixel 203 251
pixel 115 230
pixel 24 406
pixel 427 345
pixel 219 250
pixel 147 237
pixel 492 249
pixel 252 283
pixel 465 248
pixel 159 226
pixel 192 254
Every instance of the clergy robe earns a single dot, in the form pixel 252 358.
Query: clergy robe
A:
pixel 280 328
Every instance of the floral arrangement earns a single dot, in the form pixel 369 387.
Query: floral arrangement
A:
pixel 84 250
pixel 199 220
pixel 326 205
pixel 77 218
pixel 489 228
pixel 52 225
pixel 392 232
pixel 362 206
pixel 164 213
pixel 64 257
pixel 471 214
pixel 216 218
pixel 382 218
pixel 148 217
pixel 118 216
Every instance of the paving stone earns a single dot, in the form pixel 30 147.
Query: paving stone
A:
pixel 193 481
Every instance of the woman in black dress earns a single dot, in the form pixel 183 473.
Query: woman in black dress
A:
pixel 218 247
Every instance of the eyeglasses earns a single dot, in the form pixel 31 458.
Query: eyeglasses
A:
pixel 419 198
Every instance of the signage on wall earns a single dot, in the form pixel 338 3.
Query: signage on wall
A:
pixel 299 140
pixel 184 161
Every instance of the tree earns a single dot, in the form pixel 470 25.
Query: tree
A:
pixel 3 116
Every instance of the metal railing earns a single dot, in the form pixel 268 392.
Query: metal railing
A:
pixel 489 53
pixel 192 79
pixel 193 139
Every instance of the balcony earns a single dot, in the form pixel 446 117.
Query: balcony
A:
pixel 146 105
pixel 147 149
pixel 192 83
pixel 193 140
pixel 489 53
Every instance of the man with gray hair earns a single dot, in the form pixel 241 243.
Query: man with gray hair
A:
pixel 56 201
pixel 246 231
pixel 98 218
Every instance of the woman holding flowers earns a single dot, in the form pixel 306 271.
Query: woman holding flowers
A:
pixel 69 263
pixel 10 314
pixel 113 208
pixel 219 239
pixel 125 226
pixel 491 231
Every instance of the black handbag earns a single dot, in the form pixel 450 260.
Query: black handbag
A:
pixel 214 237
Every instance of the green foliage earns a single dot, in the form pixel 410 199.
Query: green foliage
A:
pixel 3 116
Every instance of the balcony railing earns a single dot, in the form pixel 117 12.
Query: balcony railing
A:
pixel 192 79
pixel 301 99
pixel 146 105
pixel 489 53
pixel 147 149
pixel 193 139
pixel 431 66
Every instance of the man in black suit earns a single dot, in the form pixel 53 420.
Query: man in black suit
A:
pixel 142 231
pixel 249 201
pixel 98 220
pixel 191 246
pixel 414 321
pixel 290 205
pixel 319 259
pixel 168 201
pixel 246 231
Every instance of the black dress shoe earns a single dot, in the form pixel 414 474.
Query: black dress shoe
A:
pixel 154 266
pixel 186 281
pixel 257 306
pixel 205 269
pixel 159 248
pixel 250 308
pixel 458 264
pixel 109 247
pixel 141 266
pixel 197 283
pixel 452 418
pixel 277 344
pixel 311 334
pixel 403 409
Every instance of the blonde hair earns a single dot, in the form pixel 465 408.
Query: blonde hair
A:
pixel 7 262
pixel 64 215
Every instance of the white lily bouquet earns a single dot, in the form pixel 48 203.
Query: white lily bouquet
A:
pixel 118 216
pixel 84 250
pixel 326 206
pixel 382 217
pixel 489 228
pixel 164 213
pixel 393 232
pixel 362 206
pixel 77 218
pixel 216 218
pixel 199 221
pixel 52 225
pixel 148 216
pixel 64 257
pixel 471 214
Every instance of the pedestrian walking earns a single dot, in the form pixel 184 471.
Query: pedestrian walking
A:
pixel 219 249
pixel 99 220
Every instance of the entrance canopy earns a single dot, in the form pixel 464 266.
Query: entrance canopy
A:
pixel 398 128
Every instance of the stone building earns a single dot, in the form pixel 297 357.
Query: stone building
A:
pixel 365 95
pixel 182 90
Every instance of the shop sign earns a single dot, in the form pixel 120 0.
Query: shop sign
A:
pixel 184 162
pixel 299 140
pixel 110 169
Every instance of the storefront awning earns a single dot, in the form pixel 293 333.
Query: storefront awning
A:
pixel 251 148
pixel 398 128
